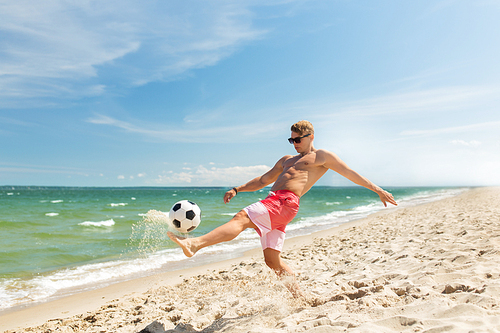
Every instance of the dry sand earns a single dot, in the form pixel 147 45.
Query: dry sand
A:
pixel 431 268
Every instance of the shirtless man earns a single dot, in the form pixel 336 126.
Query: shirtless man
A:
pixel 292 176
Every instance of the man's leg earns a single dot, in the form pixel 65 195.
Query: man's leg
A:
pixel 273 260
pixel 224 233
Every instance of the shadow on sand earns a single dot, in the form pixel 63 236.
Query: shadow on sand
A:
pixel 157 327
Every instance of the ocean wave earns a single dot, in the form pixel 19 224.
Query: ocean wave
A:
pixel 118 204
pixel 431 195
pixel 56 201
pixel 307 225
pixel 51 214
pixel 227 214
pixel 107 223
pixel 17 291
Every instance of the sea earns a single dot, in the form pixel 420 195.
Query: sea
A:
pixel 57 241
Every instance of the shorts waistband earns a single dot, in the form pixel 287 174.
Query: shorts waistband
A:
pixel 278 192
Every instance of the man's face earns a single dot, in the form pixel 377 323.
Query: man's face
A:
pixel 304 144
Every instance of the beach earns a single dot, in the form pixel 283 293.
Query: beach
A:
pixel 429 268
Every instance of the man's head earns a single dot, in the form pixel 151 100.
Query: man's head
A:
pixel 303 127
pixel 302 136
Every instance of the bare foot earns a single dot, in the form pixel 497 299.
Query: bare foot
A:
pixel 291 284
pixel 184 243
pixel 294 289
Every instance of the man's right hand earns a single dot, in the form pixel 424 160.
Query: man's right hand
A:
pixel 229 195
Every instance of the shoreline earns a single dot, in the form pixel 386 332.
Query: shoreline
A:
pixel 71 305
pixel 357 266
pixel 144 252
pixel 66 306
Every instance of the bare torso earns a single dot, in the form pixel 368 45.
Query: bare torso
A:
pixel 301 172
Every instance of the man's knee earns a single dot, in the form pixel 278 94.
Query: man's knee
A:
pixel 243 220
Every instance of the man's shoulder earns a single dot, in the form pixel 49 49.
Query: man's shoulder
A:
pixel 283 160
pixel 325 155
pixel 323 152
pixel 287 157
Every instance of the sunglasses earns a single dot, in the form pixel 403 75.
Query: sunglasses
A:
pixel 297 139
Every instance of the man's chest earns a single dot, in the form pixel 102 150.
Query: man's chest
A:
pixel 302 163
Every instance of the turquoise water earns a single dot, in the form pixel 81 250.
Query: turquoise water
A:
pixel 62 240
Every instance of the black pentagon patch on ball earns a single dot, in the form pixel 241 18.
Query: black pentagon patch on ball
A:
pixel 190 215
pixel 176 207
pixel 191 229
pixel 192 203
pixel 177 223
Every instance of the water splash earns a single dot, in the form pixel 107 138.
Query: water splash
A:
pixel 150 234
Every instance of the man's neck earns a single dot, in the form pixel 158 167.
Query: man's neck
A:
pixel 309 151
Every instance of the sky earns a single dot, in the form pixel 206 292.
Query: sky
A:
pixel 203 93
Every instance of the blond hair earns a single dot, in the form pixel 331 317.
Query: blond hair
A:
pixel 302 127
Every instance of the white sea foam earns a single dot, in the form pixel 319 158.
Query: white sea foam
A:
pixel 51 214
pixel 57 201
pixel 227 214
pixel 118 204
pixel 430 195
pixel 16 291
pixel 107 223
pixel 311 224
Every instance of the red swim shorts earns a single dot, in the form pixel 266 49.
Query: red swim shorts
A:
pixel 272 215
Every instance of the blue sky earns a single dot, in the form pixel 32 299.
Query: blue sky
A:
pixel 203 93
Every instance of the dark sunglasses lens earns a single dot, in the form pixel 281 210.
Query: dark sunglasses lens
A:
pixel 297 139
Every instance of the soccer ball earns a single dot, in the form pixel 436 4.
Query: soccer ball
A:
pixel 184 216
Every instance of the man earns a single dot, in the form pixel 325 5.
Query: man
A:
pixel 292 176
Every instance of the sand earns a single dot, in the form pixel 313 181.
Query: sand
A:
pixel 430 268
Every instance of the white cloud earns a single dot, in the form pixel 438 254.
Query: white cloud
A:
pixel 203 132
pixel 434 100
pixel 58 48
pixel 455 129
pixel 181 178
pixel 210 125
pixel 213 176
pixel 473 143
pixel 121 177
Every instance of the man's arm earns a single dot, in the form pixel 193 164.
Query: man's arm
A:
pixel 334 163
pixel 258 182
